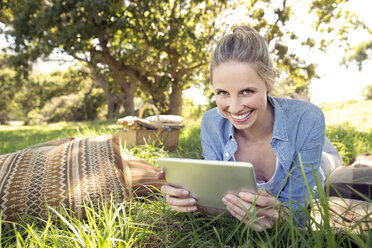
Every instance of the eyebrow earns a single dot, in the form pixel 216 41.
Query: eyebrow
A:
pixel 246 88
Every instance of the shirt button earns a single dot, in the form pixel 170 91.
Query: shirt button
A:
pixel 227 154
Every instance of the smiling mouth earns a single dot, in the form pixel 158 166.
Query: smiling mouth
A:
pixel 242 117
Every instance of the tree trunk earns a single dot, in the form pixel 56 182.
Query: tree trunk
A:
pixel 2 120
pixel 129 90
pixel 119 72
pixel 110 98
pixel 175 100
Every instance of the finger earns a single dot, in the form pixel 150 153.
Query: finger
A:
pixel 160 175
pixel 235 205
pixel 169 190
pixel 234 201
pixel 259 224
pixel 263 193
pixel 187 202
pixel 256 222
pixel 241 207
pixel 264 200
pixel 270 213
pixel 266 206
pixel 184 209
pixel 260 192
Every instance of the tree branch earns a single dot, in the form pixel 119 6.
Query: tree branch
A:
pixel 284 6
pixel 190 69
pixel 119 68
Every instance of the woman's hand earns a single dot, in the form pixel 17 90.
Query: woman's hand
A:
pixel 263 206
pixel 177 198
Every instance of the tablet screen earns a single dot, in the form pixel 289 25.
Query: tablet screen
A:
pixel 208 180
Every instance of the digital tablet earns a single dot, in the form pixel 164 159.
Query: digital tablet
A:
pixel 208 180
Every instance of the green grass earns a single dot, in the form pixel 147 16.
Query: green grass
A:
pixel 14 138
pixel 141 222
pixel 353 113
pixel 349 127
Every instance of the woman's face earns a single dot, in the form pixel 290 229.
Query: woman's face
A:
pixel 241 94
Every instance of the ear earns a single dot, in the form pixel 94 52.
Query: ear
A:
pixel 274 74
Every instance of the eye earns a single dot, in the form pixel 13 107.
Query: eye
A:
pixel 247 92
pixel 222 93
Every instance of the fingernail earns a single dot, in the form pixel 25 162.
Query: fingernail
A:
pixel 184 192
pixel 192 201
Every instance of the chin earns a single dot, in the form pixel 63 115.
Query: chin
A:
pixel 241 126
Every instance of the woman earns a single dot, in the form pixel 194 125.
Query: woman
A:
pixel 282 138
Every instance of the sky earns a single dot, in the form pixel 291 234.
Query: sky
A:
pixel 336 82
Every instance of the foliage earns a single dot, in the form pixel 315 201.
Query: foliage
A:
pixel 34 99
pixel 359 54
pixel 367 92
pixel 276 19
pixel 155 49
pixel 9 87
pixel 74 107
pixel 156 43
pixel 348 141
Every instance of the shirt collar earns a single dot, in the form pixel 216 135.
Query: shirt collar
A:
pixel 280 129
pixel 231 131
pixel 230 126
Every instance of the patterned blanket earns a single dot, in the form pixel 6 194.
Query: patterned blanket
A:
pixel 67 171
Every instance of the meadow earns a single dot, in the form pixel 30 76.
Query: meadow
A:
pixel 142 222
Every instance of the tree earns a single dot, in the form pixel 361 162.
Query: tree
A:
pixel 161 47
pixel 155 43
pixel 180 41
pixel 41 27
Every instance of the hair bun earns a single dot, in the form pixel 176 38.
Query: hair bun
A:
pixel 244 28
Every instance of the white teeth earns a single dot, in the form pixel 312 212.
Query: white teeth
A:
pixel 240 117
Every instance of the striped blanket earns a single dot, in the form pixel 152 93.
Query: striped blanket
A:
pixel 68 172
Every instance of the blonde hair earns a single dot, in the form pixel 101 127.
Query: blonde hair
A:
pixel 245 45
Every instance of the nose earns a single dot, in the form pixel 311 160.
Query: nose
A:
pixel 236 105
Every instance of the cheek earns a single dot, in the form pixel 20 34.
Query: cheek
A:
pixel 256 102
pixel 221 102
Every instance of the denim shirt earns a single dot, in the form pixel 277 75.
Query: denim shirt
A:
pixel 298 138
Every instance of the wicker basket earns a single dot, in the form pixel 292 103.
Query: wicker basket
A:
pixel 168 136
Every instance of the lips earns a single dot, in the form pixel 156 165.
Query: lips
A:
pixel 242 117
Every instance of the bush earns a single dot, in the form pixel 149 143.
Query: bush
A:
pixel 73 107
